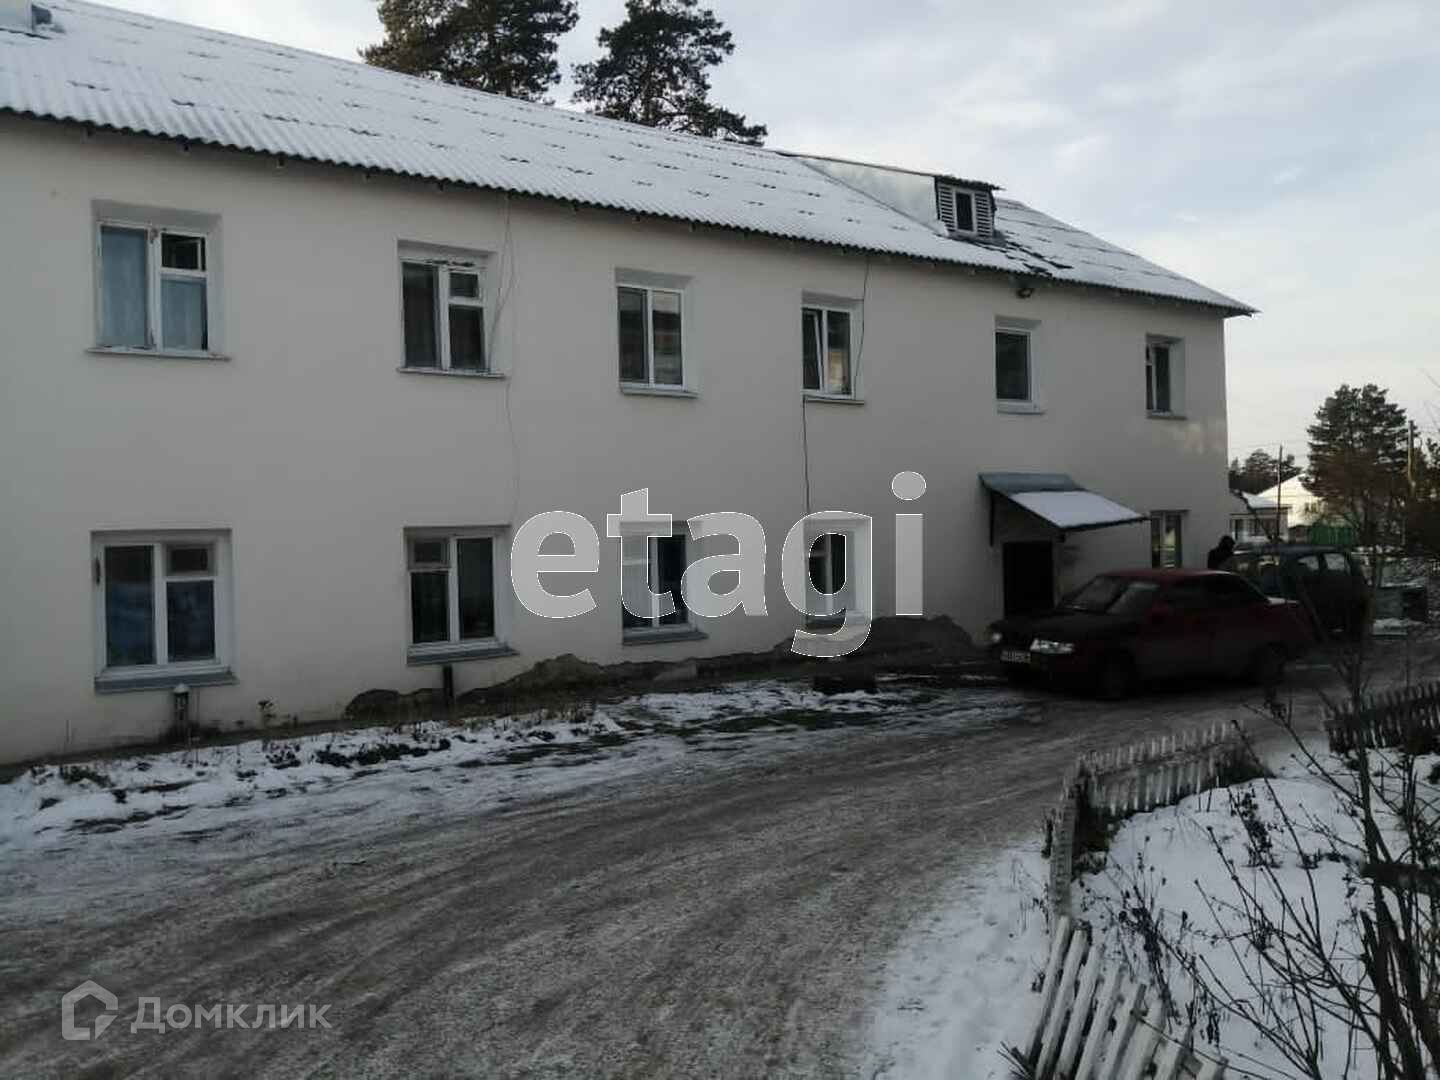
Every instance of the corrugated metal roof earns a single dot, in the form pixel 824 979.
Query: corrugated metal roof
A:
pixel 116 69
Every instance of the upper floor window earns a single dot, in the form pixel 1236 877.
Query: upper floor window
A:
pixel 825 333
pixel 154 288
pixel 443 305
pixel 1164 376
pixel 161 603
pixel 651 335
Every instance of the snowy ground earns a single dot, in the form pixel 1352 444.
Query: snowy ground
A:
pixel 407 768
pixel 957 988
pixel 1171 862
pixel 753 880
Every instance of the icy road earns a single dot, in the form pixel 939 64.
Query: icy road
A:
pixel 696 899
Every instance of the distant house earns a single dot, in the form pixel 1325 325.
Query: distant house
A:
pixel 293 346
pixel 1304 513
pixel 1258 519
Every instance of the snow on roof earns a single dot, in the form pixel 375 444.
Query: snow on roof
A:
pixel 1076 509
pixel 115 69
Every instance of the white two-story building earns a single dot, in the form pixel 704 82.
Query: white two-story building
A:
pixel 292 346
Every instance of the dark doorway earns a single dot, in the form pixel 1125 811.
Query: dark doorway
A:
pixel 1029 570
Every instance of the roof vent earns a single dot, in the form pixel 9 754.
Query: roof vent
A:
pixel 965 211
pixel 22 16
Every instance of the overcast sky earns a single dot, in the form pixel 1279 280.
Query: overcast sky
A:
pixel 1284 153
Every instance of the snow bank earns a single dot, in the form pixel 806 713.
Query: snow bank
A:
pixel 409 766
pixel 958 989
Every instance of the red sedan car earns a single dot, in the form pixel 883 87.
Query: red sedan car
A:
pixel 1132 626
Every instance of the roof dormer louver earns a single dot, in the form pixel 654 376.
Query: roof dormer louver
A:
pixel 964 211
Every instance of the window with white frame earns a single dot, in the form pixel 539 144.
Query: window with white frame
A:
pixel 651 335
pixel 1166 538
pixel 1164 376
pixel 652 567
pixel 825 354
pixel 453 589
pixel 1013 376
pixel 162 600
pixel 828 575
pixel 154 288
pixel 443 308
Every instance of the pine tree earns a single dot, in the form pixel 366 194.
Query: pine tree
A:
pixel 503 46
pixel 1261 470
pixel 654 71
pixel 1357 461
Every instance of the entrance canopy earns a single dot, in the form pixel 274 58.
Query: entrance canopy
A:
pixel 1057 500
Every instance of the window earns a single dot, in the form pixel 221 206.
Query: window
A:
pixel 826 350
pixel 154 287
pixel 828 575
pixel 659 563
pixel 651 336
pixel 443 307
pixel 1163 376
pixel 1012 365
pixel 452 590
pixel 1166 549
pixel 161 602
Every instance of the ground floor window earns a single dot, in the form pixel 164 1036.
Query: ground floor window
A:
pixel 828 574
pixel 161 600
pixel 651 567
pixel 452 588
pixel 1166 538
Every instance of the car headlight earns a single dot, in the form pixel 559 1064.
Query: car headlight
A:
pixel 996 637
pixel 1052 648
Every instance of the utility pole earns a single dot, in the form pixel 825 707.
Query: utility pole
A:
pixel 1279 494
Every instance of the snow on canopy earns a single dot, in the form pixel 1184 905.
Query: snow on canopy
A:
pixel 1075 509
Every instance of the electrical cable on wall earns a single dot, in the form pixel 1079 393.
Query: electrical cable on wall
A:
pixel 854 383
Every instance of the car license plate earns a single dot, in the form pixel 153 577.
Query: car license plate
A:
pixel 1014 656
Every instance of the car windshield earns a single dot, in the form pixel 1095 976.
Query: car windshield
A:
pixel 1112 596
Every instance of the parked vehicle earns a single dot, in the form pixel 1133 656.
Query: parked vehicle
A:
pixel 1132 626
pixel 1327 582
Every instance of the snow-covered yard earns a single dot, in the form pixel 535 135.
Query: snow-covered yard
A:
pixel 964 986
pixel 413 768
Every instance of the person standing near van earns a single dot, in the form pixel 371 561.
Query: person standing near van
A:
pixel 1220 552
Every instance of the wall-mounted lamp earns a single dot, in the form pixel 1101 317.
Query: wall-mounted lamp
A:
pixel 1024 292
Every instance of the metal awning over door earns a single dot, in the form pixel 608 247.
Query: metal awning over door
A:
pixel 1057 500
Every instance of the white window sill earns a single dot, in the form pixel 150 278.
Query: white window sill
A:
pixel 160 354
pixel 656 390
pixel 1019 408
pixel 456 651
pixel 1153 415
pixel 161 678
pixel 833 399
pixel 658 635
pixel 457 373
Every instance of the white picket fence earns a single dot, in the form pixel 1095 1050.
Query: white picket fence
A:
pixel 1158 772
pixel 1099 1024
pixel 1132 780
